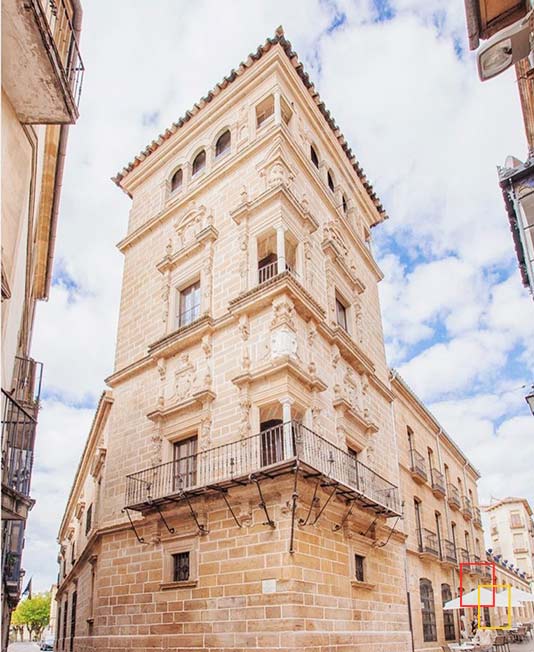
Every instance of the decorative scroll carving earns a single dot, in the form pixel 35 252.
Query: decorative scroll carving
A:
pixel 365 396
pixel 336 356
pixel 207 280
pixel 244 331
pixel 331 295
pixel 207 350
pixel 156 441
pixel 189 225
pixel 358 319
pixel 245 406
pixel 283 313
pixel 184 378
pixel 165 296
pixel 162 372
pixel 275 170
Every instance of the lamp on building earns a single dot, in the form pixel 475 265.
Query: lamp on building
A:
pixel 504 49
pixel 529 398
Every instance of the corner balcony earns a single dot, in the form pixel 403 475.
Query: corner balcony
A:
pixel 467 508
pixel 418 466
pixel 453 497
pixel 42 70
pixel 448 556
pixel 428 544
pixel 437 480
pixel 267 455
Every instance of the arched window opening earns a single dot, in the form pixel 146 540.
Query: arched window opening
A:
pixel 200 162
pixel 448 616
pixel 330 180
pixel 223 143
pixel 428 611
pixel 314 157
pixel 344 204
pixel 177 179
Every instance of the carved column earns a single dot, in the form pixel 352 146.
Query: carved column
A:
pixel 277 108
pixel 281 249
pixel 244 330
pixel 286 420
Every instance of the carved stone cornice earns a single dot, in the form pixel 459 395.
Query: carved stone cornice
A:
pixel 208 234
pixel 364 425
pixel 98 461
pixel 332 250
pixel 348 348
pixel 181 338
pixel 279 192
pixel 197 399
pixel 262 295
pixel 282 364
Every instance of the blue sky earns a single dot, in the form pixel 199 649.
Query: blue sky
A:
pixel 401 83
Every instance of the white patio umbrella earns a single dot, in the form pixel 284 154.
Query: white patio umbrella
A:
pixel 486 598
pixel 517 596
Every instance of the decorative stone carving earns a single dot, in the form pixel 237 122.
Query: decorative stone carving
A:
pixel 331 295
pixel 283 342
pixel 184 378
pixel 162 372
pixel 336 356
pixel 156 441
pixel 245 406
pixel 275 170
pixel 283 313
pixel 244 331
pixel 165 296
pixel 189 225
pixel 206 423
pixel 358 318
pixel 365 396
pixel 207 350
pixel 242 125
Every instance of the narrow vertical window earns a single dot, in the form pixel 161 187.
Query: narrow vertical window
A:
pixel 314 157
pixel 189 309
pixel 73 620
pixel 344 204
pixel 448 616
pixel 199 162
pixel 330 179
pixel 185 463
pixel 181 566
pixel 341 314
pixel 88 519
pixel 359 568
pixel 428 611
pixel 177 179
pixel 65 612
pixel 223 143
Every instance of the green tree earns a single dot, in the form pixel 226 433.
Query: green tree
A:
pixel 34 613
pixel 17 625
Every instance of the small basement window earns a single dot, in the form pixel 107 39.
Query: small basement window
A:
pixel 359 573
pixel 181 566
pixel 265 111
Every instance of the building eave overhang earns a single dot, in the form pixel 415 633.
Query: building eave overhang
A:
pixel 278 39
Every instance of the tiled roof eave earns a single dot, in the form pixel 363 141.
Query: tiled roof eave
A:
pixel 278 39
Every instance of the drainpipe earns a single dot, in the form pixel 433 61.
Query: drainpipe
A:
pixel 60 165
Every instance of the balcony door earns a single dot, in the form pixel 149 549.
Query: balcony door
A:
pixel 272 441
pixel 185 463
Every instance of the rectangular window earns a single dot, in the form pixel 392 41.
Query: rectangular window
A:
pixel 341 314
pixel 65 611
pixel 358 568
pixel 181 566
pixel 515 519
pixel 185 463
pixel 88 519
pixel 189 309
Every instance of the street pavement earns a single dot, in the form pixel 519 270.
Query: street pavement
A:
pixel 23 647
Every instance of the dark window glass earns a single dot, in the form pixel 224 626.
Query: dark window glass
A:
pixel 314 157
pixel 428 611
pixel 417 508
pixel 73 620
pixel 73 552
pixel 448 616
pixel 330 180
pixel 89 519
pixel 65 610
pixel 189 304
pixel 176 180
pixel 344 202
pixel 358 568
pixel 223 144
pixel 341 313
pixel 185 463
pixel 199 163
pixel 181 567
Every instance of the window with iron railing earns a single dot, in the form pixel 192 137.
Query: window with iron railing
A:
pixel 181 566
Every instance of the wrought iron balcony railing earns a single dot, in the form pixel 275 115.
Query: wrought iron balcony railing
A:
pixel 467 507
pixel 54 20
pixel 464 555
pixel 449 552
pixel 12 545
pixel 438 482
pixel 428 542
pixel 18 439
pixel 453 496
pixel 271 453
pixel 417 466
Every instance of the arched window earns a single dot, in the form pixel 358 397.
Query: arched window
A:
pixel 344 204
pixel 222 145
pixel 428 611
pixel 314 157
pixel 200 162
pixel 177 179
pixel 448 616
pixel 330 180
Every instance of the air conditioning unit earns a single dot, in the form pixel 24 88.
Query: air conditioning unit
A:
pixel 504 49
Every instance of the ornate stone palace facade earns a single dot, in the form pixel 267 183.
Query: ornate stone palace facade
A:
pixel 239 486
